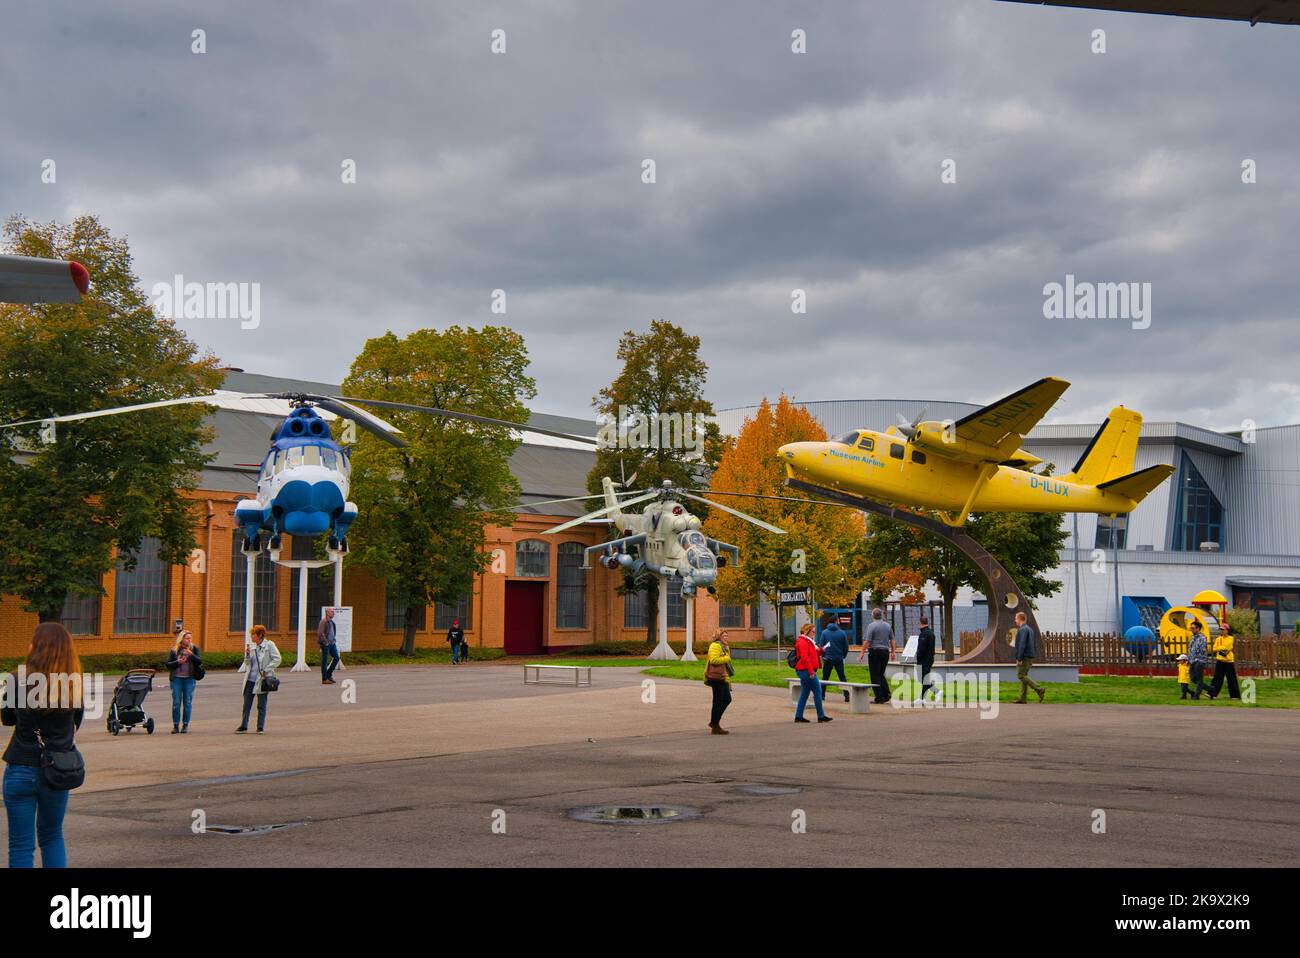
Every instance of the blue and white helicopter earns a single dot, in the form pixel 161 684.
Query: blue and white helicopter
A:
pixel 302 488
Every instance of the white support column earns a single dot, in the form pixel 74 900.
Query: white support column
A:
pixel 663 650
pixel 338 598
pixel 301 664
pixel 251 563
pixel 689 654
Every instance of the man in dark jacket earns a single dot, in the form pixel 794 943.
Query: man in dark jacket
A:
pixel 1026 647
pixel 327 639
pixel 925 655
pixel 456 638
pixel 835 648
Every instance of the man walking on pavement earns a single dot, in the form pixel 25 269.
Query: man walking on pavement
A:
pixel 326 638
pixel 878 646
pixel 1026 647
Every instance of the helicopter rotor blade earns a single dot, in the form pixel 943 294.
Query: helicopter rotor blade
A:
pixel 214 398
pixel 735 512
pixel 598 495
pixel 345 410
pixel 468 417
pixel 601 512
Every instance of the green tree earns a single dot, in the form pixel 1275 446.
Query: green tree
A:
pixel 656 426
pixel 422 510
pixel 1027 544
pixel 108 482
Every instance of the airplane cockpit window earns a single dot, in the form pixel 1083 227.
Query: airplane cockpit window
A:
pixel 867 443
pixel 311 455
pixel 849 439
pixel 329 458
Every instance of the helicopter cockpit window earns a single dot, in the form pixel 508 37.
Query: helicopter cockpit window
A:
pixel 311 455
pixel 268 466
pixel 329 458
pixel 279 460
pixel 689 539
pixel 700 558
pixel 848 439
pixel 295 457
pixel 345 463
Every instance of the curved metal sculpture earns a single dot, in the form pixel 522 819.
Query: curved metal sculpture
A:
pixel 1005 597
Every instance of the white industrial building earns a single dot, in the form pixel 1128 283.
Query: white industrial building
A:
pixel 1228 520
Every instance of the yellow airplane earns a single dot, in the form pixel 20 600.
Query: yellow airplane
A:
pixel 975 464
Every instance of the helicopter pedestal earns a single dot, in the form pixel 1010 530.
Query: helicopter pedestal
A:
pixel 1005 597
pixel 662 649
pixel 302 565
pixel 689 654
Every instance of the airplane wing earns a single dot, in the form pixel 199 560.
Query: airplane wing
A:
pixel 29 279
pixel 1012 415
pixel 1253 11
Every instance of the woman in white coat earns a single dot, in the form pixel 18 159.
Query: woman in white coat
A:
pixel 260 661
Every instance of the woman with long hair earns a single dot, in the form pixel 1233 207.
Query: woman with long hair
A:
pixel 45 713
pixel 183 665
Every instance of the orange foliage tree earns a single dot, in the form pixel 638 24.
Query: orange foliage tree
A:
pixel 818 537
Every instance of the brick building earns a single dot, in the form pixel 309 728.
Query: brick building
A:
pixel 542 601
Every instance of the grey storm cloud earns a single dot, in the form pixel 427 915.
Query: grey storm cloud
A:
pixel 776 171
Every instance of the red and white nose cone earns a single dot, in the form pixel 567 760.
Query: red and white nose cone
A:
pixel 29 279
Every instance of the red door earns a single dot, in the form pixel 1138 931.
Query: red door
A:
pixel 525 617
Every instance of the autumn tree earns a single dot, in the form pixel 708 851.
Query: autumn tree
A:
pixel 818 537
pixel 423 509
pixel 105 483
pixel 656 425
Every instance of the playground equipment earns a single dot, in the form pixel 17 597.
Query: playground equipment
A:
pixel 1208 607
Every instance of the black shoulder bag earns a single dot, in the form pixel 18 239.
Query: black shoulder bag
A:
pixel 63 771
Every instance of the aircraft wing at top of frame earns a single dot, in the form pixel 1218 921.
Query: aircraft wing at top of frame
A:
pixel 1012 415
pixel 1252 11
pixel 29 279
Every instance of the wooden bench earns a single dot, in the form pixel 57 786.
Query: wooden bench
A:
pixel 860 693
pixel 576 670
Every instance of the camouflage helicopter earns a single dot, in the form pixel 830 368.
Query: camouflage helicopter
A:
pixel 663 539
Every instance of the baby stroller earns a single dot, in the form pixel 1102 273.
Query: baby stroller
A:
pixel 127 710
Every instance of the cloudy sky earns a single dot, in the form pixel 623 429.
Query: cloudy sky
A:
pixel 775 171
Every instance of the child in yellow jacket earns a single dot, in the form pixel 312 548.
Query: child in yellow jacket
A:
pixel 1184 676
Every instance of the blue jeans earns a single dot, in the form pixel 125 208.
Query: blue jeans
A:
pixel 329 660
pixel 809 686
pixel 455 652
pixel 182 698
pixel 34 809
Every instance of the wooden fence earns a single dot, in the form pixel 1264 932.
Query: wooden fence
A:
pixel 1271 656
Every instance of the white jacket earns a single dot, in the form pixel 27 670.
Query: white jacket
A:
pixel 260 659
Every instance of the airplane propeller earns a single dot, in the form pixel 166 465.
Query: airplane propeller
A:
pixel 908 427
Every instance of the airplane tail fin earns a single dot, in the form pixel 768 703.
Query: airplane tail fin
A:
pixel 1111 452
pixel 1137 485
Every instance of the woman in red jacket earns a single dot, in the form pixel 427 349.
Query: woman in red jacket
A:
pixel 808 660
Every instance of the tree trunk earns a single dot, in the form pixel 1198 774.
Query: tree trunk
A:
pixel 948 600
pixel 408 631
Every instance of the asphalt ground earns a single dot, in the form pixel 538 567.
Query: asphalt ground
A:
pixel 467 766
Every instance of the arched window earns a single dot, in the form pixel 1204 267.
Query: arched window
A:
pixel 571 587
pixel 532 558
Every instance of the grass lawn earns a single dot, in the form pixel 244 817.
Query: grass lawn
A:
pixel 1113 689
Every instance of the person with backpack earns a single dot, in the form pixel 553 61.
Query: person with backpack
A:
pixel 834 648
pixel 42 763
pixel 456 638
pixel 806 660
pixel 184 669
